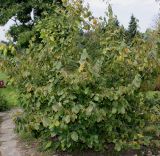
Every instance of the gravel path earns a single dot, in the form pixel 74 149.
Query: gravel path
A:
pixel 10 144
pixel 8 139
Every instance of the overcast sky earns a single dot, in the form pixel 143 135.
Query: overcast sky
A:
pixel 145 10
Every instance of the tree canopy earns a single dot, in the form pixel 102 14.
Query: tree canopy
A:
pixel 20 12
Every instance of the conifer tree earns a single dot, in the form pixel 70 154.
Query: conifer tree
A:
pixel 132 29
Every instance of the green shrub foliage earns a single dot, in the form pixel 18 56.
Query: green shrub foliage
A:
pixel 80 87
pixel 3 104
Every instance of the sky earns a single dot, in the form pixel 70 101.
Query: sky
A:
pixel 145 11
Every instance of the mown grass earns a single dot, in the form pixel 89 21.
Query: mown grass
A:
pixel 9 93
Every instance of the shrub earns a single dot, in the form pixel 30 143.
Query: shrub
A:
pixel 76 101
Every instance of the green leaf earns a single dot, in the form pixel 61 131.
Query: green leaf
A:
pixel 52 38
pixel 56 123
pixel 89 110
pixel 67 119
pixel 74 136
pixel 58 65
pixel 45 122
pixel 48 145
pixel 114 110
pixel 76 109
pixel 86 91
pixel 84 56
pixel 137 81
pixel 5 52
pixel 122 110
pixel 96 98
pixel 36 126
pixel 57 107
pixel 118 147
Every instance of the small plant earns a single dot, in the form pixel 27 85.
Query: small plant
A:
pixel 3 104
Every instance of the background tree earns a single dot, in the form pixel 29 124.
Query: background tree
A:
pixel 132 29
pixel 25 14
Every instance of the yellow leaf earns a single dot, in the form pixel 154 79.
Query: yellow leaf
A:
pixel 94 21
pixel 81 68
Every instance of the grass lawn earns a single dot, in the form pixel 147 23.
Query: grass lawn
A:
pixel 9 93
pixel 3 76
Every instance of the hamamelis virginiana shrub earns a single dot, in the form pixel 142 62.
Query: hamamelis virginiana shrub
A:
pixel 72 100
